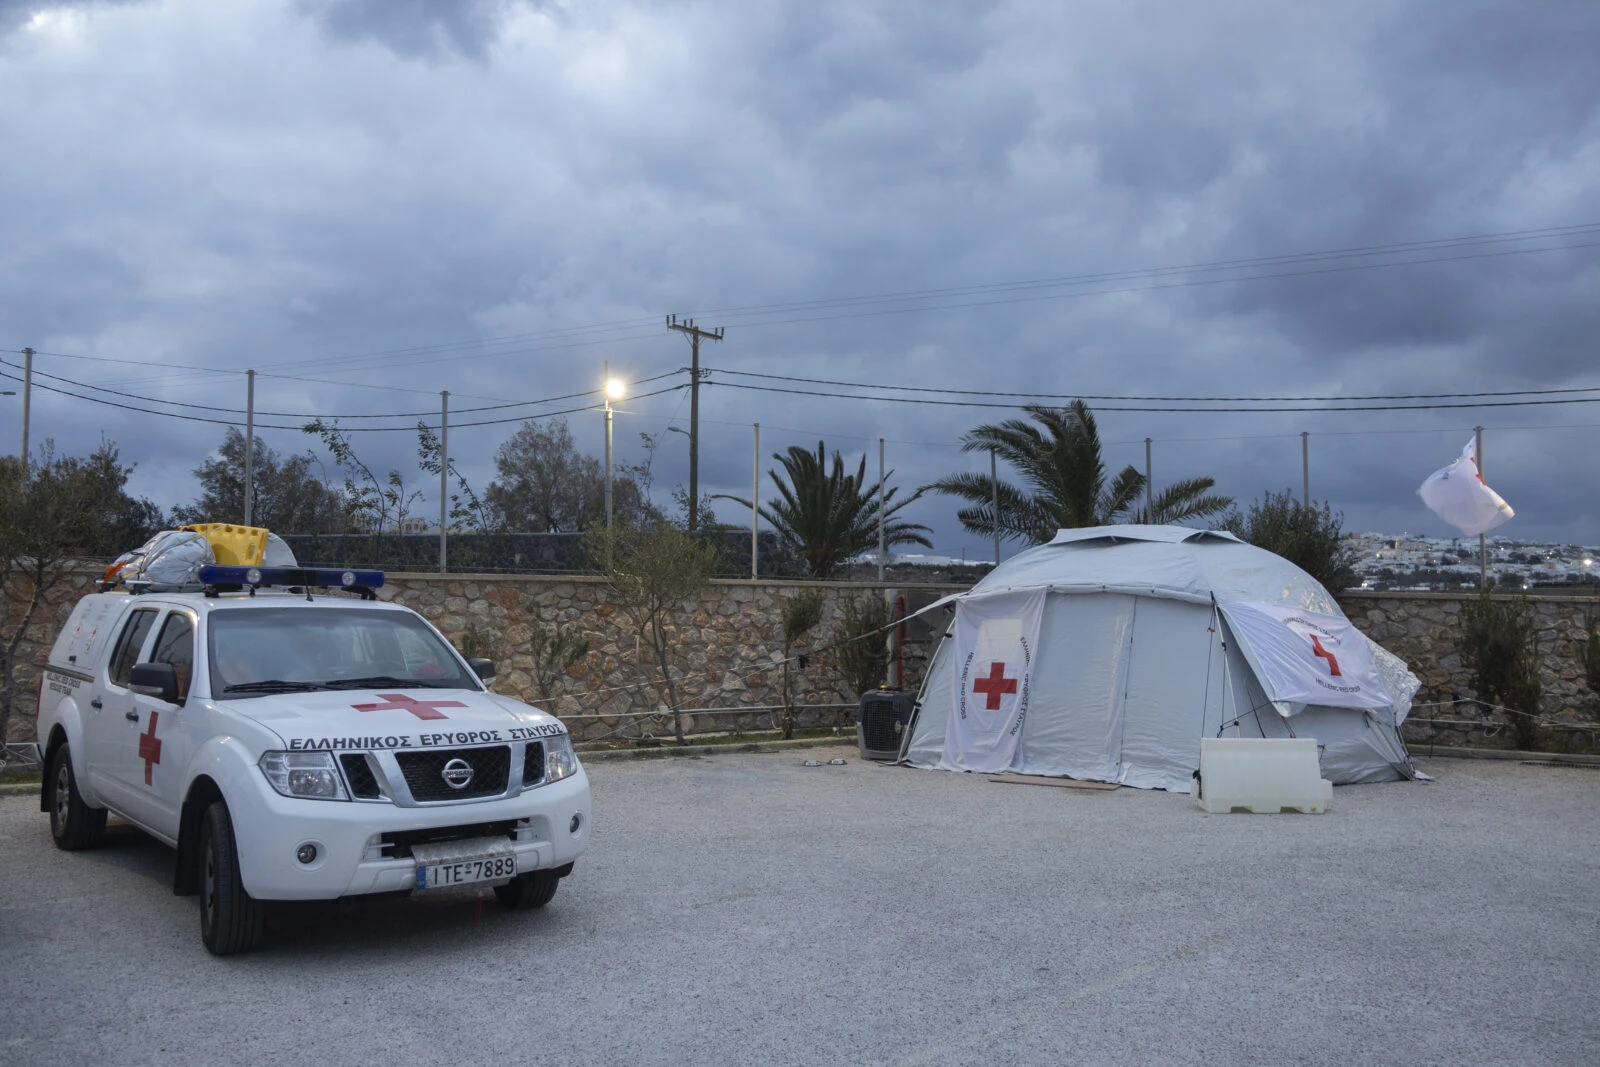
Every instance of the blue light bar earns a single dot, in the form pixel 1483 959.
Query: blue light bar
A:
pixel 327 577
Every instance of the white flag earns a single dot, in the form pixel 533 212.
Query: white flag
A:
pixel 996 644
pixel 1459 495
pixel 1306 657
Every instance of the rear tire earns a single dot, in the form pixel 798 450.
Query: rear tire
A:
pixel 231 920
pixel 531 890
pixel 73 823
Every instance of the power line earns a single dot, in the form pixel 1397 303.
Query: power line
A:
pixel 1189 411
pixel 301 428
pixel 1547 233
pixel 305 415
pixel 1184 399
pixel 1187 284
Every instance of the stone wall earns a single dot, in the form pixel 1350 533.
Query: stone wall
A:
pixel 727 663
pixel 729 644
pixel 726 667
pixel 1423 629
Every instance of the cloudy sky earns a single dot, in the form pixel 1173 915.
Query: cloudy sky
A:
pixel 370 201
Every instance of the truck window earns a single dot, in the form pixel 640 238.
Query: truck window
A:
pixel 129 644
pixel 327 647
pixel 175 645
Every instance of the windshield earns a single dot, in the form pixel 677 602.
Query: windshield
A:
pixel 267 650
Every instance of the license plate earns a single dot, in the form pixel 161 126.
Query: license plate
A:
pixel 477 859
pixel 462 872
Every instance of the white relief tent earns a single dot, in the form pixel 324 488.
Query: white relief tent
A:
pixel 1145 646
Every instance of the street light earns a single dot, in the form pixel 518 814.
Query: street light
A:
pixel 614 389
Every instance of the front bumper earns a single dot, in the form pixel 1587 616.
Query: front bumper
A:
pixel 364 847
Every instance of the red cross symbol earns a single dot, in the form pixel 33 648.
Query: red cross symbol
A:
pixel 1318 650
pixel 150 748
pixel 422 709
pixel 994 685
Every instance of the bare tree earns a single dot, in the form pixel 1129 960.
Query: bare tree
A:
pixel 51 515
pixel 656 567
pixel 545 485
pixel 800 614
pixel 290 495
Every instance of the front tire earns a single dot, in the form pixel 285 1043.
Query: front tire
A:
pixel 73 823
pixel 531 890
pixel 231 920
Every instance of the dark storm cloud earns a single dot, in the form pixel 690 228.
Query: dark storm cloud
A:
pixel 425 29
pixel 236 185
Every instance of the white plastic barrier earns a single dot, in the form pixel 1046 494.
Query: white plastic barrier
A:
pixel 1262 775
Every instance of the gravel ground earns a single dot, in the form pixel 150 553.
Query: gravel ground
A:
pixel 744 908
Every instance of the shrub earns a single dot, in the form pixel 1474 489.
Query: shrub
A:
pixel 1591 654
pixel 1306 535
pixel 1499 644
pixel 864 660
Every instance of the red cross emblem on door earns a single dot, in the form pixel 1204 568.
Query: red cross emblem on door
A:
pixel 422 709
pixel 150 749
pixel 1318 650
pixel 994 686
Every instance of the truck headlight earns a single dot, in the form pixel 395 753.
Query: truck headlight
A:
pixel 303 774
pixel 559 759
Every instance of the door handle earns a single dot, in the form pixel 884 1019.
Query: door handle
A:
pixel 131 716
pixel 95 704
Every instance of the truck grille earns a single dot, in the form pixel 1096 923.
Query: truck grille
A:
pixel 424 772
pixel 358 772
pixel 533 764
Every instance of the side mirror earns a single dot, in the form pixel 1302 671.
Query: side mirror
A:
pixel 157 680
pixel 483 668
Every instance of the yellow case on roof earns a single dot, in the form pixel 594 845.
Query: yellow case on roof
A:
pixel 237 546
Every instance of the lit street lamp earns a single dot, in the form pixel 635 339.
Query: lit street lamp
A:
pixel 615 389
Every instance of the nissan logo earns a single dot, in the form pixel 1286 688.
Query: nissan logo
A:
pixel 457 774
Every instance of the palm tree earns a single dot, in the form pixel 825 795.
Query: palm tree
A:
pixel 829 516
pixel 1064 480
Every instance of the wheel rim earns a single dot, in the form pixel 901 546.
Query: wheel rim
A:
pixel 63 792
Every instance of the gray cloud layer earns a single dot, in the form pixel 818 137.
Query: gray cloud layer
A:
pixel 266 184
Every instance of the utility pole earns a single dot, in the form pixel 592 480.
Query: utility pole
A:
pixel 883 544
pixel 1305 468
pixel 755 502
pixel 694 333
pixel 1149 487
pixel 27 400
pixel 444 474
pixel 994 487
pixel 249 444
pixel 605 391
pixel 1483 542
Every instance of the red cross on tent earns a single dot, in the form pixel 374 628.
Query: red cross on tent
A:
pixel 993 686
pixel 150 749
pixel 1318 650
pixel 422 709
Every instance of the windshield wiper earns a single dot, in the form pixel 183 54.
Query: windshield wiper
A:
pixel 273 685
pixel 371 681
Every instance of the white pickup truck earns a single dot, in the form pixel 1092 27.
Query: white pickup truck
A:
pixel 301 746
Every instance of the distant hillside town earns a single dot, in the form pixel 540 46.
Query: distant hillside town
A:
pixel 1416 563
pixel 1385 561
